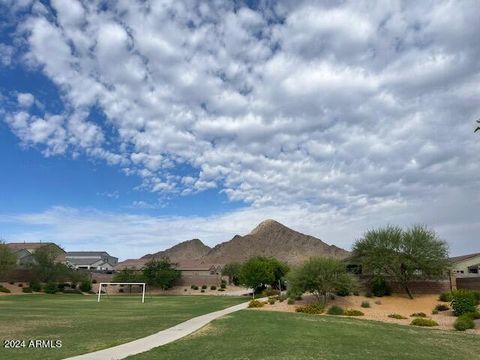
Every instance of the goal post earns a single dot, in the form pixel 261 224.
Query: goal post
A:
pixel 100 286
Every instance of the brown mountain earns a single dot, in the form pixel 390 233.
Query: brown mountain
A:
pixel 270 238
pixel 188 250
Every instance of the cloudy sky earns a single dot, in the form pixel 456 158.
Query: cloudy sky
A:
pixel 131 125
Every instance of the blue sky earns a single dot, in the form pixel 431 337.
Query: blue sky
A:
pixel 133 126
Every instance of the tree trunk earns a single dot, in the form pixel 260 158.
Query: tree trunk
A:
pixel 408 291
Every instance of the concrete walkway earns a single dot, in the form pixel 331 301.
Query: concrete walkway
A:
pixel 161 338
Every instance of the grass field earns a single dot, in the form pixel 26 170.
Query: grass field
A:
pixel 273 335
pixel 84 325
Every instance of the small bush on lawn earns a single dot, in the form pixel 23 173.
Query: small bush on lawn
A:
pixel 311 309
pixel 72 291
pixel 27 290
pixel 335 310
pixel 380 287
pixel 365 304
pixel 221 289
pixel 419 314
pixel 442 307
pixel 213 287
pixel 35 286
pixel 464 322
pixel 423 322
pixel 255 304
pixel 353 312
pixel 85 286
pixel 290 301
pixel 50 287
pixel 464 301
pixel 204 287
pixel 397 316
pixel 271 300
pixel 3 289
pixel 446 296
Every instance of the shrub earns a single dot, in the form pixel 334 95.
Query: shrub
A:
pixel 271 301
pixel 50 287
pixel 223 285
pixel 290 301
pixel 270 292
pixel 474 315
pixel 3 289
pixel 419 314
pixel 464 301
pixel 356 293
pixel 35 286
pixel 442 307
pixel 353 312
pixel 204 287
pixel 94 281
pixel 27 290
pixel 464 322
pixel 202 291
pixel 434 312
pixel 335 310
pixel 121 290
pixel 343 291
pixel 255 304
pixel 365 304
pixel 85 286
pixel 282 298
pixel 380 287
pixel 446 296
pixel 213 287
pixel 397 316
pixel 11 283
pixel 20 285
pixel 368 294
pixel 192 287
pixel 315 309
pixel 423 322
pixel 72 291
pixel 298 298
pixel 221 289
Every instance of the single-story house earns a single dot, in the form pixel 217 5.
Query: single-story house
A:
pixel 24 252
pixel 466 265
pixel 91 260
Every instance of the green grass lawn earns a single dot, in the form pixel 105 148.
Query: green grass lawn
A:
pixel 271 335
pixel 84 325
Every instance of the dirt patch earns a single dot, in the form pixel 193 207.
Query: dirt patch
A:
pixel 380 308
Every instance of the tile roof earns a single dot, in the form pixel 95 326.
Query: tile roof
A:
pixel 456 259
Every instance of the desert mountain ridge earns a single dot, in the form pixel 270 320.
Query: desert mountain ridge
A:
pixel 269 238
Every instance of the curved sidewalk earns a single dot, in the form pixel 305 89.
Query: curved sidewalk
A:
pixel 160 338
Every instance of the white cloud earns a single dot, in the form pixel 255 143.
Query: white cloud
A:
pixel 25 99
pixel 343 107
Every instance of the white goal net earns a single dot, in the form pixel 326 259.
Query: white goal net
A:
pixel 101 285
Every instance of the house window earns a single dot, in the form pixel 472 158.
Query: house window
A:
pixel 473 270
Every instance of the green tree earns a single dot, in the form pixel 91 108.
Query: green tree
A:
pixel 403 255
pixel 161 273
pixel 45 267
pixel 128 275
pixel 8 260
pixel 320 276
pixel 260 271
pixel 232 270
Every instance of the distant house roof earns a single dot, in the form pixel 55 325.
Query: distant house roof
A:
pixel 87 253
pixel 456 259
pixel 29 246
pixel 86 261
pixel 192 265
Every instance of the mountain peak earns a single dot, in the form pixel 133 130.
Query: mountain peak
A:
pixel 266 226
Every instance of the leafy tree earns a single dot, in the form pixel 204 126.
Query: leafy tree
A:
pixel 404 255
pixel 45 267
pixel 8 260
pixel 128 275
pixel 259 271
pixel 161 273
pixel 320 276
pixel 232 270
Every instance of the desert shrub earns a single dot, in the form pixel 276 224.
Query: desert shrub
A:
pixel 442 307
pixel 35 286
pixel 221 289
pixel 255 304
pixel 20 285
pixel 270 292
pixel 223 284
pixel 202 291
pixel 290 301
pixel 271 300
pixel 122 290
pixel 343 291
pixel 85 286
pixel 213 287
pixel 356 293
pixel 316 308
pixel 365 304
pixel 464 301
pixel 423 322
pixel 378 302
pixel 192 287
pixel 368 294
pixel 380 287
pixel 50 287
pixel 418 314
pixel 446 296
pixel 3 289
pixel 11 283
pixel 434 312
pixel 94 281
pixel 27 290
pixel 204 287
pixel 464 322
pixel 474 315
pixel 72 291
pixel 353 312
pixel 397 316
pixel 282 298
pixel 335 310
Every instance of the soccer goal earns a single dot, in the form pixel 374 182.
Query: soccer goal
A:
pixel 100 286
